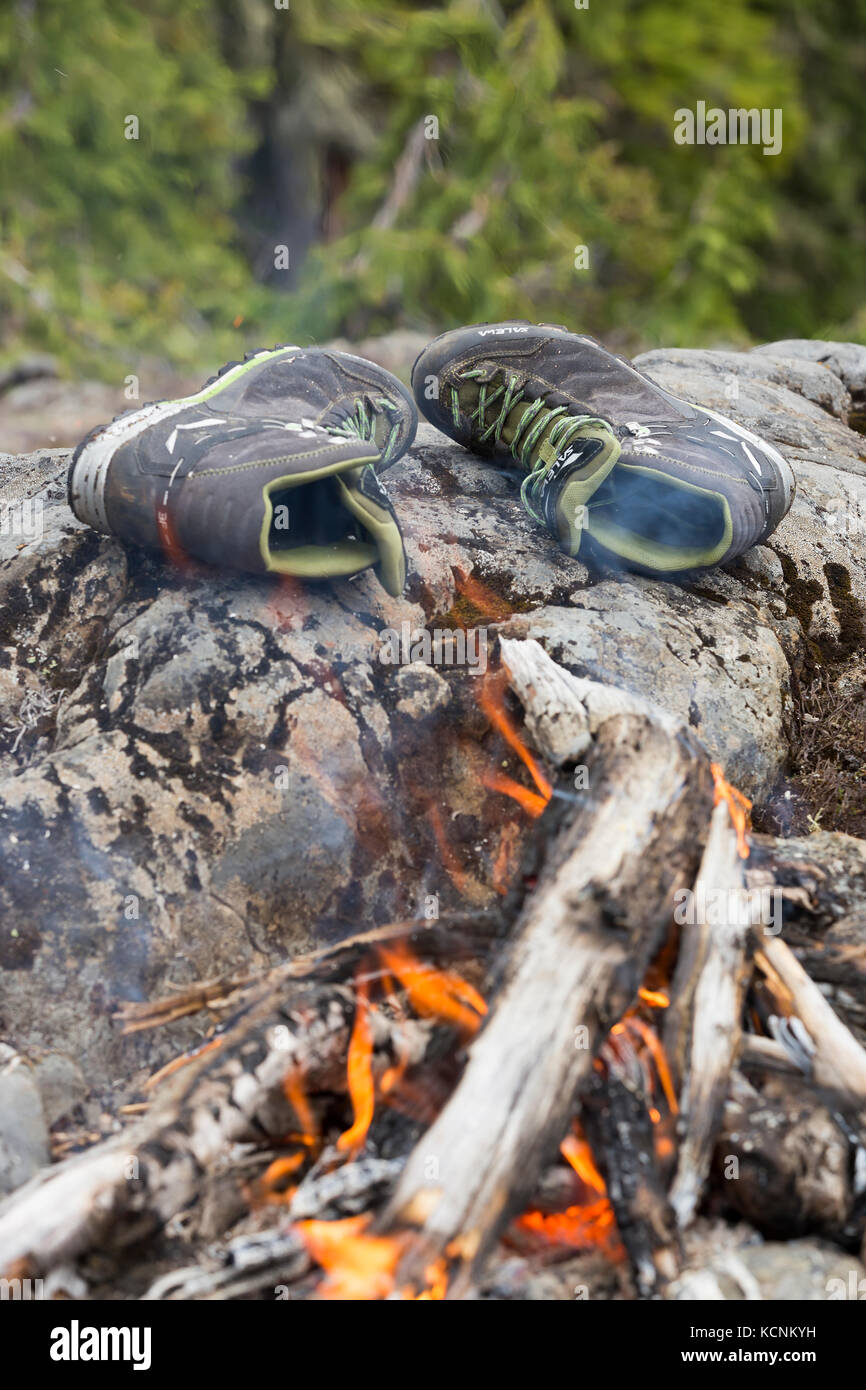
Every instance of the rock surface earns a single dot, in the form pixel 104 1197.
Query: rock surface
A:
pixel 204 772
pixel 23 1128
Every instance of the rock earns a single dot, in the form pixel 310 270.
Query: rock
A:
pixel 731 375
pixel 421 690
pixel 808 1271
pixel 715 665
pixel 847 361
pixel 794 400
pixel 204 772
pixel 62 1085
pixel 23 1132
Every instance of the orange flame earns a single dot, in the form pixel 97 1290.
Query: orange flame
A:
pixel 651 1039
pixel 738 805
pixel 496 781
pixel 435 993
pixel 293 1090
pixel 362 1266
pixel 360 1073
pixel 585 1225
pixel 436 1275
pixel 491 700
pixel 357 1265
pixel 656 998
pixel 271 1187
pixel 576 1151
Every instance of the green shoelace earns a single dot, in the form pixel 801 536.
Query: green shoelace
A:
pixel 529 430
pixel 361 424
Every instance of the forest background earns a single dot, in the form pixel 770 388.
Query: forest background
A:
pixel 184 179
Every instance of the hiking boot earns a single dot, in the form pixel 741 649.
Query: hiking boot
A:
pixel 271 467
pixel 613 464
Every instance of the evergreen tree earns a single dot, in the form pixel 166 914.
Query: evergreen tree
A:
pixel 119 128
pixel 422 164
pixel 555 133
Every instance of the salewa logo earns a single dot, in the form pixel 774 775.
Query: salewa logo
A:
pixel 560 465
pixel 577 455
pixel 500 332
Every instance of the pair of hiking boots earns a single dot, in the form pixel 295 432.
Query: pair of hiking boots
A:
pixel 273 467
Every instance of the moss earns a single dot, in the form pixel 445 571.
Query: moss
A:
pixel 852 635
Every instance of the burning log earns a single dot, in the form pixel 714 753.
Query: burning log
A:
pixel 134 1182
pixel 258 1080
pixel 619 1124
pixel 580 951
pixel 239 1091
pixel 703 1029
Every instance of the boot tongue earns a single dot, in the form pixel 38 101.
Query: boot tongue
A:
pixel 365 498
pixel 355 501
pixel 469 399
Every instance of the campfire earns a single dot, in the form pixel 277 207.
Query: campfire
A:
pixel 425 1107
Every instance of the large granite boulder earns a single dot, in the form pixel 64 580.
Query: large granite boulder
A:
pixel 202 772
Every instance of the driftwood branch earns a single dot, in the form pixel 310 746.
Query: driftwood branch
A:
pixel 563 711
pixel 704 1030
pixel 838 1061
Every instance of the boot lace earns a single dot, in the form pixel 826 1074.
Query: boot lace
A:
pixel 362 421
pixel 535 420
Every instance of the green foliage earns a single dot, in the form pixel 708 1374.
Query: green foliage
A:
pixel 555 131
pixel 109 244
